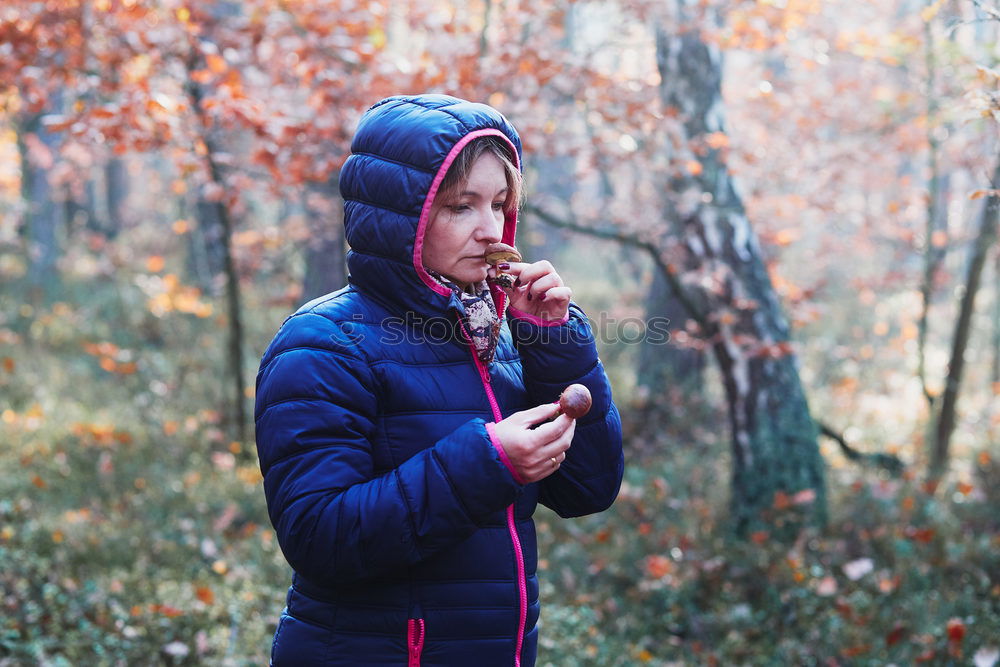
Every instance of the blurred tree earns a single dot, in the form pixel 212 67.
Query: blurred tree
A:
pixel 710 258
pixel 44 209
pixel 773 434
pixel 326 269
pixel 673 371
pixel 986 236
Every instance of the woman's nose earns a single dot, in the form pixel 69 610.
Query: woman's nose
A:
pixel 491 225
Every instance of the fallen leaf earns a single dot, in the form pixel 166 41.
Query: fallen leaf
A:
pixel 955 629
pixel 826 587
pixel 856 569
pixel 205 594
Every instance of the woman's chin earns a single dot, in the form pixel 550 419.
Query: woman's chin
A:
pixel 471 277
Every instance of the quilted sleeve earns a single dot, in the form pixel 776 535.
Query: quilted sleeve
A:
pixel 337 521
pixel 553 356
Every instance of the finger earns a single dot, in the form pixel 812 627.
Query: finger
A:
pixel 551 431
pixel 537 414
pixel 549 281
pixel 561 294
pixel 516 268
pixel 529 273
pixel 555 452
pixel 563 442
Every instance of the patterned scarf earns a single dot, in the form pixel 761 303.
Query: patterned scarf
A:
pixel 481 319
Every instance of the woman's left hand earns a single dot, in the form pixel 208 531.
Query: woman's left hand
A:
pixel 538 291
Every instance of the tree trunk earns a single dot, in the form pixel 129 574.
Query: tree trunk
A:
pixel 115 191
pixel 220 210
pixel 995 370
pixel 326 254
pixel 985 237
pixel 937 219
pixel 38 149
pixel 208 252
pixel 670 375
pixel 774 438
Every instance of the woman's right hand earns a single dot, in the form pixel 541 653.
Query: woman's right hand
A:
pixel 536 453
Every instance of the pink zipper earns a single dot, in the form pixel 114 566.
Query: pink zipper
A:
pixel 415 640
pixel 522 585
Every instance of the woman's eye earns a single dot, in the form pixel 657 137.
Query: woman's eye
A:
pixel 498 206
pixel 459 208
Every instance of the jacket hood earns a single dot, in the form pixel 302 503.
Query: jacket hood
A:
pixel 401 151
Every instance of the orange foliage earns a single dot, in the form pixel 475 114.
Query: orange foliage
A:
pixel 658 566
pixel 205 594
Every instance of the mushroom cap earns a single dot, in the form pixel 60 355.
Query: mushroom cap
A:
pixel 501 252
pixel 575 401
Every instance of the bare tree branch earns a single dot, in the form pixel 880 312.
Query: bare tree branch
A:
pixel 887 462
pixel 990 11
pixel 612 234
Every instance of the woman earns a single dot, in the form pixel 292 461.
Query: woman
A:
pixel 403 422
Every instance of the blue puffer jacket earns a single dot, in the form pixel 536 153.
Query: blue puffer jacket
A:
pixel 412 543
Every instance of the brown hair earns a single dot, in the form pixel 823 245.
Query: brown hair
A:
pixel 458 172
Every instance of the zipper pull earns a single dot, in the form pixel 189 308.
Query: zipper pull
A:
pixel 415 647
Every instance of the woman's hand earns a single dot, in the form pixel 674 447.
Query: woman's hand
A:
pixel 536 453
pixel 538 291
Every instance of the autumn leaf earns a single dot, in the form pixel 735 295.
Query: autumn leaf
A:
pixel 928 13
pixel 216 63
pixel 804 497
pixel 858 568
pixel 854 651
pixel 717 140
pixel 205 594
pixel 154 263
pixel 785 237
pixel 979 194
pixel 955 629
pixel 781 501
pixel 166 610
pixel 658 566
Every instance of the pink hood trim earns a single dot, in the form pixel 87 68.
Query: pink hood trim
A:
pixel 509 225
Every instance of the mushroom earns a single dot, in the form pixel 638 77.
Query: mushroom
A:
pixel 497 253
pixel 575 401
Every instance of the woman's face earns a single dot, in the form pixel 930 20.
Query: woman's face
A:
pixel 464 222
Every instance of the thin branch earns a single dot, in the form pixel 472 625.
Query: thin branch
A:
pixel 303 32
pixel 887 462
pixel 612 234
pixel 990 11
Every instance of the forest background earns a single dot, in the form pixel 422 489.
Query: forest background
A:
pixel 806 189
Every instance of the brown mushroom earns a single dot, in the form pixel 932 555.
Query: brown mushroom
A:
pixel 575 401
pixel 497 253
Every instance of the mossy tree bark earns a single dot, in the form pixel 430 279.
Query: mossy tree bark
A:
pixel 773 436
